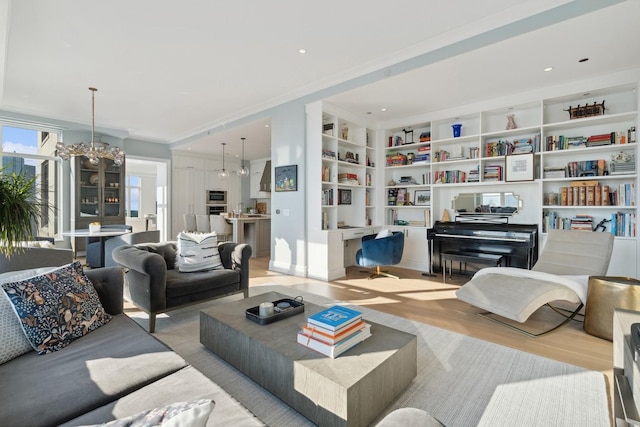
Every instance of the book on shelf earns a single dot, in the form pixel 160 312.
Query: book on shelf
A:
pixel 335 317
pixel 340 347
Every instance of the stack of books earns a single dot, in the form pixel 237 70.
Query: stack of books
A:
pixel 334 331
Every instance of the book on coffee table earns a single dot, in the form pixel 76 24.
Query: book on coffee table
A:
pixel 332 337
pixel 338 348
pixel 335 317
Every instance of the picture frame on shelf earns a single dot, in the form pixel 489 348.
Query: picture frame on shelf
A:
pixel 422 198
pixel 519 167
pixel 286 178
pixel 344 197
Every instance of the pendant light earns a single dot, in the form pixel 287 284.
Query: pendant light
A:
pixel 223 173
pixel 97 150
pixel 244 171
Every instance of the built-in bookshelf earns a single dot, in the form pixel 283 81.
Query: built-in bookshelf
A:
pixel 581 170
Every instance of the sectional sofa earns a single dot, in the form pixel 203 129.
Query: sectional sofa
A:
pixel 115 371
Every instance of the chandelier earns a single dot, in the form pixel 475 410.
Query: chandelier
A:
pixel 223 173
pixel 244 171
pixel 95 151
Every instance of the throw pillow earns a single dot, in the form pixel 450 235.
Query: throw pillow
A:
pixel 383 233
pixel 13 341
pixel 192 414
pixel 57 307
pixel 197 252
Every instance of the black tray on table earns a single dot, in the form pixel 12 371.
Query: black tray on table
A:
pixel 295 306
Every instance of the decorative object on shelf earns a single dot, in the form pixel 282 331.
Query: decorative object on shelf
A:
pixel 408 136
pixel 586 110
pixel 511 122
pixel 344 197
pixel 519 167
pixel 410 157
pixel 95 151
pixel 422 197
pixel 286 178
pixel 223 172
pixel 94 179
pixel 456 129
pixel 445 216
pixel 344 132
pixel 391 183
pixel 243 171
pixel 86 163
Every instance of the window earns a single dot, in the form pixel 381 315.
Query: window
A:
pixel 133 187
pixel 33 152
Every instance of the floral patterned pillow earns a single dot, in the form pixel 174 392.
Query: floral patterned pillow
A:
pixel 56 307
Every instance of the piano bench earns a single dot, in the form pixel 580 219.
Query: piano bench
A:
pixel 473 257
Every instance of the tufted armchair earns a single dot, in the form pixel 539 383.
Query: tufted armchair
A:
pixel 154 285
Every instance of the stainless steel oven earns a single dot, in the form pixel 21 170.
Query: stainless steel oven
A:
pixel 216 210
pixel 216 197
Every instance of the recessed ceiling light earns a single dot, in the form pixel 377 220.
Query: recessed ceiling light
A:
pixel 266 126
pixel 383 109
pixel 583 60
pixel 548 69
pixel 302 50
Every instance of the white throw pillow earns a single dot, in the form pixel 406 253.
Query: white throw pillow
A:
pixel 385 232
pixel 197 252
pixel 13 341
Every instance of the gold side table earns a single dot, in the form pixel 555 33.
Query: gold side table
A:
pixel 605 294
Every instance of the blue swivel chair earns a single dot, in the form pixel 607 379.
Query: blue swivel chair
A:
pixel 380 252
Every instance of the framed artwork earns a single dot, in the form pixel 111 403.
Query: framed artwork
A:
pixel 344 197
pixel 519 167
pixel 286 178
pixel 422 197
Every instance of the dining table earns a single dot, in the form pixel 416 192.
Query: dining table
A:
pixel 102 236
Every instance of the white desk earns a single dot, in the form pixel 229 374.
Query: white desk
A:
pixel 255 231
pixel 101 235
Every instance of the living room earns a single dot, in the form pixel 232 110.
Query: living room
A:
pixel 295 214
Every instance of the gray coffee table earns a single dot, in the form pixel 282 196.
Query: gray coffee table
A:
pixel 350 390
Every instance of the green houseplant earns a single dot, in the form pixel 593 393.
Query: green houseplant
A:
pixel 20 209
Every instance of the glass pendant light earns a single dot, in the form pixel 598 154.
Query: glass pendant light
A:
pixel 223 173
pixel 244 171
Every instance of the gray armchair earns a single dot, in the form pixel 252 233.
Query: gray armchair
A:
pixel 152 236
pixel 154 285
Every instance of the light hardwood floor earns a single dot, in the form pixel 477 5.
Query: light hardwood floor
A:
pixel 429 300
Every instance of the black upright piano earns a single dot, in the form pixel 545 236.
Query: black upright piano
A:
pixel 518 243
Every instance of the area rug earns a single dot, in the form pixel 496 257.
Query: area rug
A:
pixel 462 381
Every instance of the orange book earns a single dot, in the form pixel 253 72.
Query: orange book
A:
pixel 564 196
pixel 605 195
pixel 597 197
pixel 569 196
pixel 329 337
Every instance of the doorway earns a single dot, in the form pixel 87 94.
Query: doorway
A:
pixel 147 190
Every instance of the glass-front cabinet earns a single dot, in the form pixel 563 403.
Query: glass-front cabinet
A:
pixel 98 194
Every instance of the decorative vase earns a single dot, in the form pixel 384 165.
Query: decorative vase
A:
pixel 511 121
pixel 456 129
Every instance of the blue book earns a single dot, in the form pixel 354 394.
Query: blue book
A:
pixel 334 318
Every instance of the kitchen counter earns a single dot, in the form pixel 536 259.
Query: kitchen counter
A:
pixel 254 229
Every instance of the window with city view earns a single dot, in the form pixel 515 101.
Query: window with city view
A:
pixel 32 152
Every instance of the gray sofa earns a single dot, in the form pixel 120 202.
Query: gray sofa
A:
pixel 116 371
pixel 154 285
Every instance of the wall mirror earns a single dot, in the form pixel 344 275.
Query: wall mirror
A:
pixel 486 203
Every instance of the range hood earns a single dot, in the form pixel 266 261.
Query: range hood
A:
pixel 265 181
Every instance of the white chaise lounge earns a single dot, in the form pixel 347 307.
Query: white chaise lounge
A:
pixel 561 273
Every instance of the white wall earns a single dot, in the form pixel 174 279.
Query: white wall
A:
pixel 288 214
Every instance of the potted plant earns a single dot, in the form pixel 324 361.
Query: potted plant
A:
pixel 20 209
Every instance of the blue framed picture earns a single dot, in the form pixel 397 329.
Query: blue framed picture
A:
pixel 286 178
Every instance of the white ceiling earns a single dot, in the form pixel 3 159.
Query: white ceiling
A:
pixel 189 73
